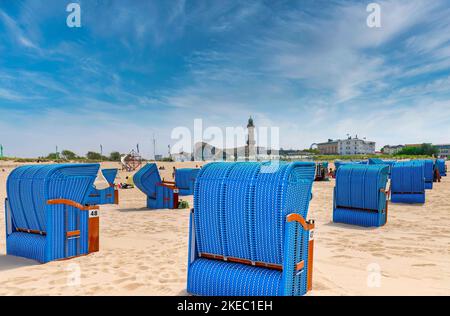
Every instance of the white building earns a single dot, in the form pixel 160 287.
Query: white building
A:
pixel 182 157
pixel 391 150
pixel 444 150
pixel 349 146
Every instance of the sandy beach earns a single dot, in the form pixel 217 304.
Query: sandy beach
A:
pixel 144 252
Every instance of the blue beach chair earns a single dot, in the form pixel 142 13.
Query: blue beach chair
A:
pixel 248 233
pixel 440 164
pixel 46 216
pixel 428 165
pixel 339 163
pixel 360 195
pixel 378 161
pixel 106 196
pixel 160 194
pixel 185 179
pixel 408 182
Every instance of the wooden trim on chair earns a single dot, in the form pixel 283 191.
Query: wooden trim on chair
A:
pixel 73 204
pixel 31 231
pixel 116 197
pixel 242 261
pixel 167 185
pixel 73 233
pixel 299 219
pixel 274 266
pixel 300 265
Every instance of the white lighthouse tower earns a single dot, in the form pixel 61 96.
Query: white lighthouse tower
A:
pixel 251 143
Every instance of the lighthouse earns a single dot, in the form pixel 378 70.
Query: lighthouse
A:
pixel 251 143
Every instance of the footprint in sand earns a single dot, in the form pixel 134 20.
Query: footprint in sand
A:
pixel 424 265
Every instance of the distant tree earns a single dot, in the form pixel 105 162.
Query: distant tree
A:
pixel 424 149
pixel 428 149
pixel 52 156
pixel 92 155
pixel 313 151
pixel 68 155
pixel 114 156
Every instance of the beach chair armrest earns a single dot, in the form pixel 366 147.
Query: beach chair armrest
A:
pixel 293 217
pixel 73 204
pixel 168 185
pixel 299 260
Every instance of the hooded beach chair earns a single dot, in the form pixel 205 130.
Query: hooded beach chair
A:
pixel 360 195
pixel 109 195
pixel 185 179
pixel 248 230
pixel 46 216
pixel 321 171
pixel 160 194
pixel 440 165
pixel 378 161
pixel 408 182
pixel 339 163
pixel 428 165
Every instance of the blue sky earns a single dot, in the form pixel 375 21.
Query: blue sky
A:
pixel 311 67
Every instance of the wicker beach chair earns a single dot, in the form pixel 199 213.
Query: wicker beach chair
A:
pixel 428 165
pixel 378 161
pixel 46 216
pixel 440 164
pixel 160 194
pixel 248 230
pixel 360 195
pixel 408 182
pixel 106 196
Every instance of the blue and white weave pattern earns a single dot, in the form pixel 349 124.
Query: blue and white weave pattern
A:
pixel 105 196
pixel 28 190
pixel 148 180
pixel 408 182
pixel 185 180
pixel 240 212
pixel 359 195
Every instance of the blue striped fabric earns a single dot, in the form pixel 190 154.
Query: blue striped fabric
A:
pixel 105 196
pixel 428 165
pixel 358 199
pixel 110 174
pixel 28 190
pixel 339 163
pixel 219 278
pixel 440 164
pixel 148 180
pixel 185 179
pixel 240 212
pixel 408 182
pixel 378 161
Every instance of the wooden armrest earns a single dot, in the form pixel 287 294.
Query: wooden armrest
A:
pixel 167 185
pixel 73 204
pixel 299 219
